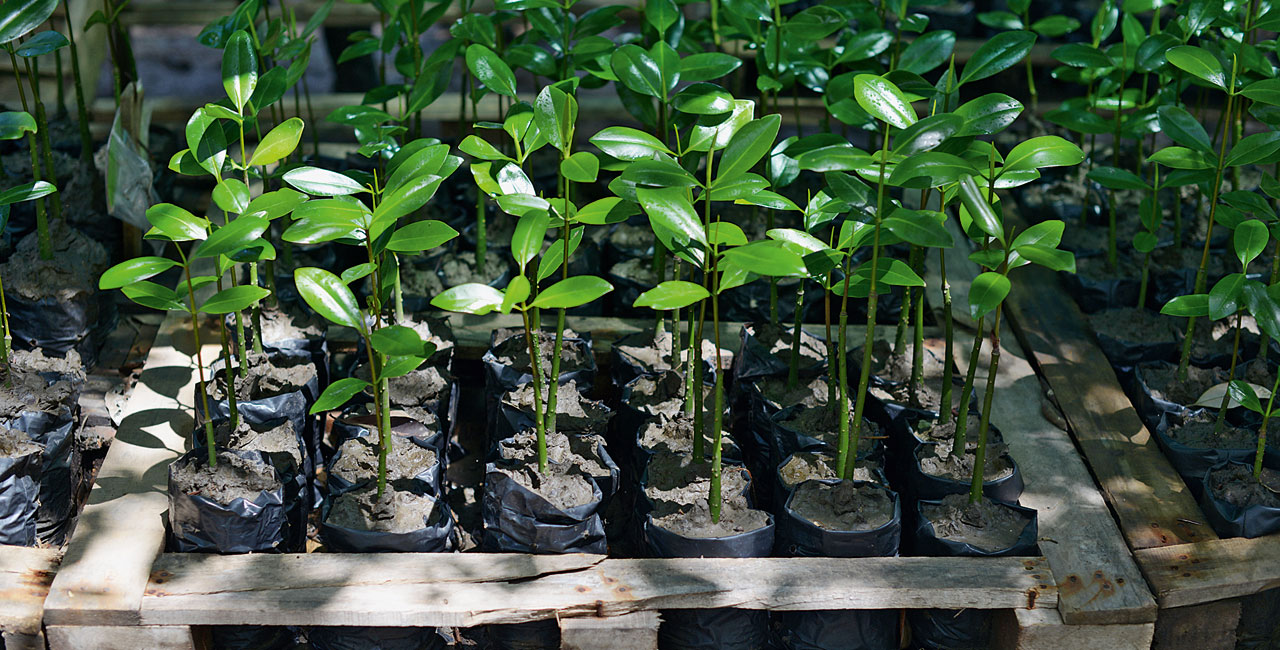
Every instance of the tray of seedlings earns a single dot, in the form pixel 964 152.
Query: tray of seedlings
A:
pixel 709 376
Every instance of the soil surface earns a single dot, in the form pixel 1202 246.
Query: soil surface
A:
pixel 398 511
pixel 695 522
pixel 889 366
pixel 986 525
pixel 813 393
pixel 358 459
pixel 34 361
pixel 563 486
pixel 675 482
pixel 77 262
pixel 28 391
pixel 288 325
pixel 270 440
pixel 573 411
pixel 936 461
pixel 1162 380
pixel 1133 324
pixel 421 281
pixel 233 478
pixel 425 387
pixel 844 506
pixel 15 444
pixel 1197 432
pixel 1095 269
pixel 675 435
pixel 1235 485
pixel 581 452
pixel 1219 340
pixel 633 239
pixel 265 377
pixel 435 331
pixel 821 423
pixel 656 357
pixel 944 435
pixel 638 270
pixel 511 348
pixel 805 465
pixel 778 341
pixel 664 394
pixel 460 268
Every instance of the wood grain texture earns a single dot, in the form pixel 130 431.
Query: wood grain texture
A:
pixel 119 637
pixel 635 631
pixel 1152 504
pixel 120 532
pixel 1043 629
pixel 25 574
pixel 1210 626
pixel 252 590
pixel 1190 574
pixel 1098 581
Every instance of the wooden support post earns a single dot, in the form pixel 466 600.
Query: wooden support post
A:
pixel 1211 626
pixel 120 637
pixel 638 631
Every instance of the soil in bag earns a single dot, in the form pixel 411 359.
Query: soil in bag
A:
pixel 640 354
pixel 526 511
pixel 1193 446
pixel 673 481
pixel 821 466
pixel 234 507
pixel 833 518
pixel 282 384
pixel 938 472
pixel 575 414
pixel 1155 388
pixel 43 406
pixel 507 365
pixel 410 459
pixel 765 351
pixel 282 447
pixel 587 452
pixel 402 520
pixel 1129 335
pixel 647 398
pixel 1237 504
pixel 952 527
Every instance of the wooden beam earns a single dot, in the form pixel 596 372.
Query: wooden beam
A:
pixel 25 574
pixel 1202 572
pixel 636 631
pixel 476 589
pixel 120 637
pixel 1043 629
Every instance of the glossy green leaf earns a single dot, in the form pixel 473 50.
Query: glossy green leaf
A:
pixel 27 192
pixel 748 146
pixel 999 53
pixel 672 294
pixel 638 71
pixel 920 228
pixel 231 237
pixel 1194 305
pixel 278 143
pixel 328 296
pixel 1114 178
pixel 572 292
pixel 480 148
pixel 986 293
pixel 1051 258
pixel 625 143
pixel 937 167
pixel 338 393
pixel 231 195
pixel 883 100
pixel 703 99
pixel 18 17
pixel 1250 240
pixel 526 241
pixel 768 258
pixel 421 236
pixel 1199 63
pixel 470 298
pixel 927 52
pixel 927 134
pixel 15 124
pixel 1184 129
pixel 321 182
pixel 517 293
pixel 134 270
pixel 491 70
pixel 177 224
pixel 150 294
pixel 400 341
pixel 1043 151
pixel 239 69
pixel 1180 158
pixel 1226 296
pixel 43 43
pixel 406 199
pixel 1266 91
pixel 234 299
pixel 608 210
pixel 581 167
pixel 1257 149
pixel 975 201
pixel 672 218
pixel 706 66
pixel 555 113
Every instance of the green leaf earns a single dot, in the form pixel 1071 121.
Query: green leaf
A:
pixel 1114 178
pixel 975 201
pixel 1080 55
pixel 276 204
pixel 572 292
pixel 150 294
pixel 329 296
pixel 556 112
pixel 27 192
pixel 406 199
pixel 1265 309
pixel 1225 297
pixel 134 270
pixel 176 223
pixel 1046 233
pixel 278 143
pixel 768 258
pixel 608 210
pixel 239 69
pixel 15 124
pixel 672 294
pixel 357 272
pixel 18 17
pixel 1199 63
pixel 1250 240
pixel 1180 158
pixel 927 52
pixel 938 167
pixel 920 227
pixel 321 182
pixel 581 167
pixel 42 43
pixel 338 393
pixel 1194 305
pixel 1048 257
pixel 470 298
pixel 1002 20
pixel 927 134
pixel 1242 393
pixel 1184 129
pixel 480 148
pixel 491 70
pixel 232 237
pixel 866 44
pixel 400 341
pixel 526 241
pixel 999 53
pixel 401 366
pixel 231 195
pixel 1257 149
pixel 1266 91
pixel 703 99
pixel 1055 26
pixel 517 292
pixel 1044 151
pixel 986 293
pixel 232 299
pixel 748 146
pixel 672 217
pixel 519 205
pixel 661 14
pixel 880 98
pixel 429 160
pixel 421 236
pixel 638 71
pixel 628 144
pixel 705 66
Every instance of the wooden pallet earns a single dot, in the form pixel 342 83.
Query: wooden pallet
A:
pixel 1193 574
pixel 117 587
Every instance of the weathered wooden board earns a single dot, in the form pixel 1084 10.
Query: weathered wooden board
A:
pixel 1043 629
pixel 120 637
pixel 1188 574
pixel 120 531
pixel 25 574
pixel 1098 581
pixel 1152 503
pixel 635 631
pixel 263 590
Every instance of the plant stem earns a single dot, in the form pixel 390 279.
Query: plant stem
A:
pixel 42 222
pixel 944 404
pixel 980 455
pixel 539 423
pixel 211 442
pixel 1221 420
pixel 42 123
pixel 7 344
pixel 793 372
pixel 966 393
pixel 713 498
pixel 699 444
pixel 86 139
pixel 1262 431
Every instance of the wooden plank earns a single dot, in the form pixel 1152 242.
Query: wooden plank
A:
pixel 106 637
pixel 1098 581
pixel 1211 626
pixel 635 631
pixel 214 590
pixel 120 532
pixel 1043 629
pixel 1190 574
pixel 25 574
pixel 1152 504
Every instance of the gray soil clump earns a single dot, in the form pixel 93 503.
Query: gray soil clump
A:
pixel 427 387
pixel 398 511
pixel 695 522
pixel 632 238
pixel 34 361
pixel 419 281
pixel 265 378
pixel 563 486
pixel 844 506
pixel 77 262
pixel 889 366
pixel 674 482
pixel 233 478
pixel 580 452
pixel 940 462
pixel 1133 324
pixel 985 525
pixel 1219 340
pixel 810 465
pixel 664 394
pixel 573 411
pixel 358 459
pixel 778 340
pixel 1235 485
pixel 1163 382
pixel 638 270
pixel 460 268
pixel 656 356
pixel 813 393
pixel 15 444
pixel 821 423
pixel 435 331
pixel 288 325
pixel 675 435
pixel 30 392
pixel 1197 432
pixel 944 435
pixel 280 439
pixel 512 349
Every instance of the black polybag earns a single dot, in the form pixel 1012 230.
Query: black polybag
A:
pixel 711 629
pixel 59 324
pixel 966 629
pixel 20 497
pixel 779 492
pixel 590 446
pixel 294 405
pixel 838 629
pixel 1130 353
pixel 519 520
pixel 433 537
pixel 1095 294
pixel 921 485
pixel 59 468
pixel 1230 520
pixel 754 359
pixel 253 637
pixel 623 367
pixel 375 638
pixel 1192 463
pixel 500 377
pixel 535 635
pixel 199 524
pixel 428 480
